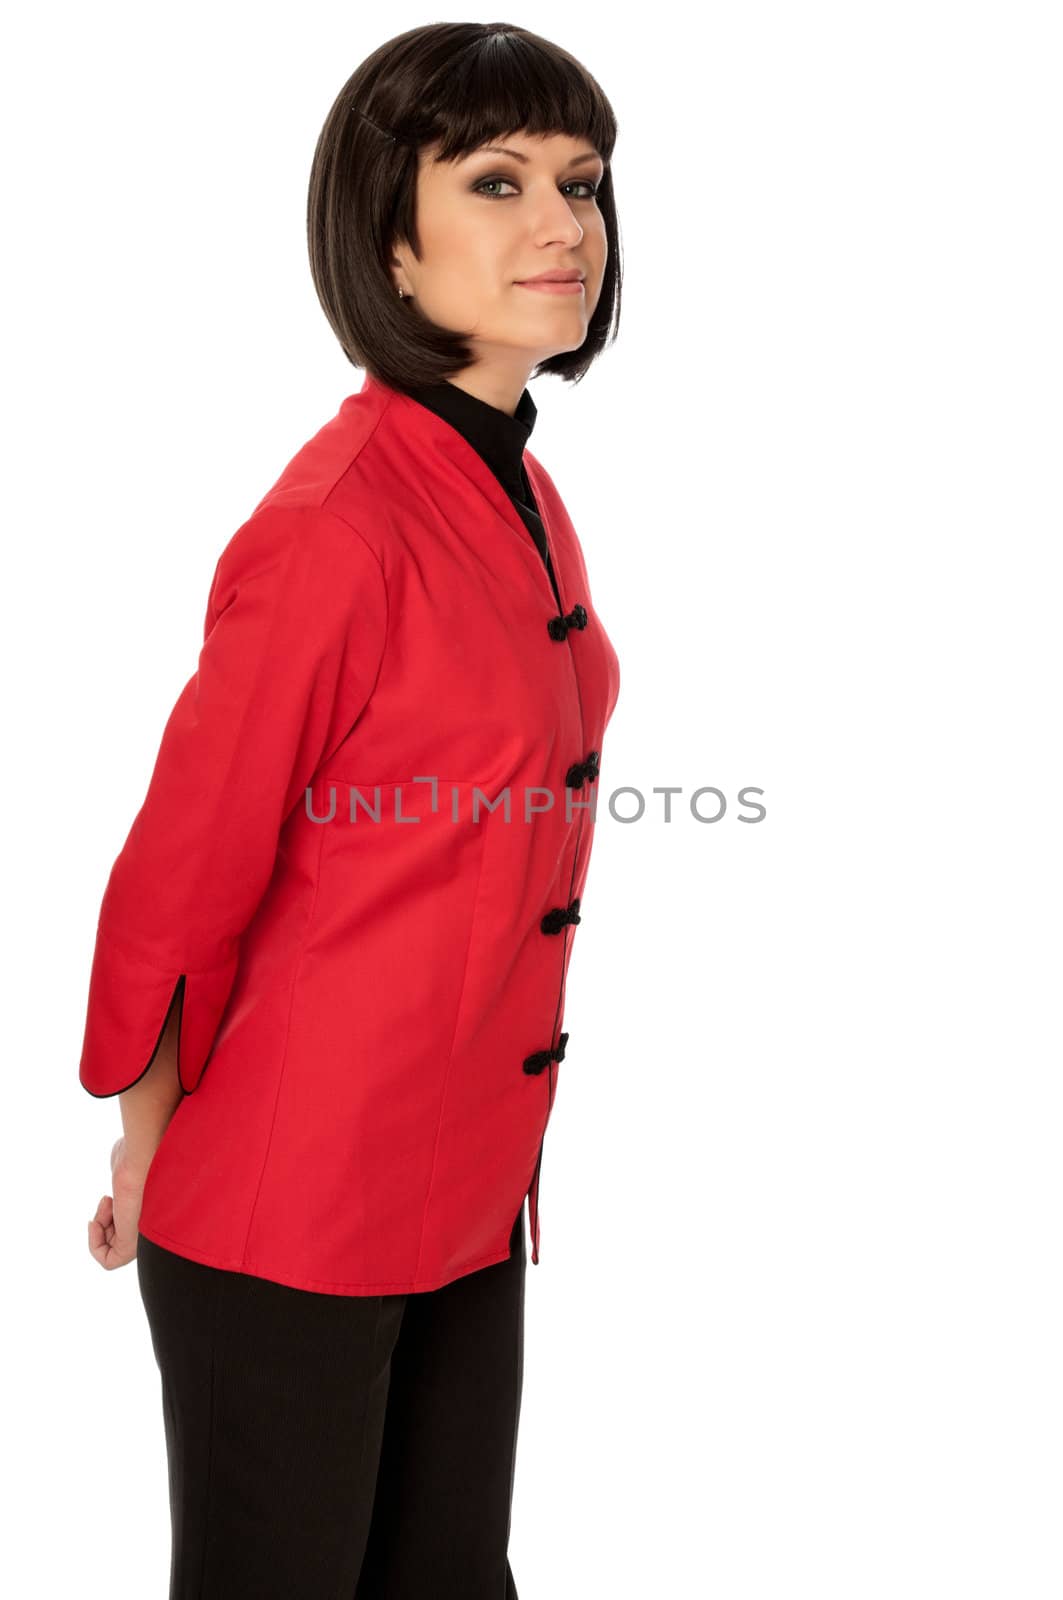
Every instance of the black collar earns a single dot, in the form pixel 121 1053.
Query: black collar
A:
pixel 495 435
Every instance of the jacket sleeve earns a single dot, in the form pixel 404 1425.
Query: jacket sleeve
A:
pixel 293 639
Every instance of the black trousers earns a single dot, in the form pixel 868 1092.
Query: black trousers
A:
pixel 334 1447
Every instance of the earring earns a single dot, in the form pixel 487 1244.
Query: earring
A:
pixel 400 292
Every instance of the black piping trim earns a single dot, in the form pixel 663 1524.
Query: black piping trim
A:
pixel 178 993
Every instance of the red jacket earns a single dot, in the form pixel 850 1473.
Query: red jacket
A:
pixel 372 1004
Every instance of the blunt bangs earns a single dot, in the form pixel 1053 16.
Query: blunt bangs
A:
pixel 447 87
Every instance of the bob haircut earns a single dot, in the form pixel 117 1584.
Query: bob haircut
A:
pixel 458 84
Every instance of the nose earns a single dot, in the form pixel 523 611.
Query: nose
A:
pixel 556 220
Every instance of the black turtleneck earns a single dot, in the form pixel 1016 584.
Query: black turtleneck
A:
pixel 499 440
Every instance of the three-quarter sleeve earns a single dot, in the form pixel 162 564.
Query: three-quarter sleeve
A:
pixel 293 640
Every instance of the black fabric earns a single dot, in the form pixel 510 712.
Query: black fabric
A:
pixel 318 1444
pixel 499 440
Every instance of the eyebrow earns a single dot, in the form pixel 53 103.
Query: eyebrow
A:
pixel 506 150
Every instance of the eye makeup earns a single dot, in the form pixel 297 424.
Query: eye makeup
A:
pixel 586 183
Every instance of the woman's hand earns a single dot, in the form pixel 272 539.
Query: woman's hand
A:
pixel 113 1230
pixel 147 1108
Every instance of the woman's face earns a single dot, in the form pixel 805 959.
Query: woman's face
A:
pixel 492 220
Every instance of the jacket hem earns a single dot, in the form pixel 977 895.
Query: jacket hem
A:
pixel 318 1285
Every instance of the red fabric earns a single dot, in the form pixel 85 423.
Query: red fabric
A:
pixel 359 997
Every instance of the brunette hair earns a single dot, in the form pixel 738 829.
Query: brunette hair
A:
pixel 458 84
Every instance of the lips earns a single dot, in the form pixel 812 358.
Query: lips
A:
pixel 555 283
pixel 559 276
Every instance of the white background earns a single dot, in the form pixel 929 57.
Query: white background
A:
pixel 797 1326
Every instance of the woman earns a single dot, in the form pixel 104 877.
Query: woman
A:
pixel 330 966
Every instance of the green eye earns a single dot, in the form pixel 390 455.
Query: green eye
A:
pixel 585 183
pixel 479 188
